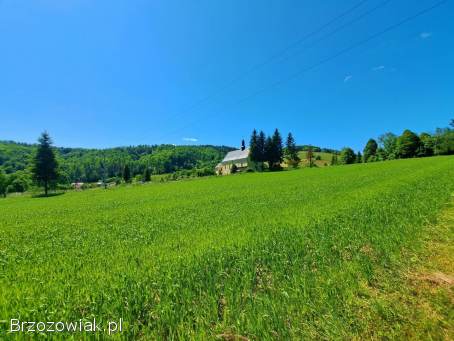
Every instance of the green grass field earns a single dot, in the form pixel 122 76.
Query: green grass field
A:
pixel 285 255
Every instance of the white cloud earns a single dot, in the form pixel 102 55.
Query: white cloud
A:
pixel 347 78
pixel 378 68
pixel 425 35
pixel 190 139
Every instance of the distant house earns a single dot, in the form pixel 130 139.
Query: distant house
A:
pixel 239 158
pixel 77 185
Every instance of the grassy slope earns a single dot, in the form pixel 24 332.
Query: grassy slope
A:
pixel 324 161
pixel 284 255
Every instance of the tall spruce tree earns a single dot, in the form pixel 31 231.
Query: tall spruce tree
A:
pixel 253 147
pixel 269 151
pixel 126 173
pixel 44 168
pixel 261 149
pixel 243 145
pixel 291 152
pixel 310 156
pixel 274 150
pixel 147 175
pixel 278 148
pixel 3 183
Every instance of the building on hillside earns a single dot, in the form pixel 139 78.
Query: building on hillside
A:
pixel 239 158
pixel 77 185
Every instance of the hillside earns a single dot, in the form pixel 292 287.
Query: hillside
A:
pixel 320 159
pixel 90 165
pixel 304 254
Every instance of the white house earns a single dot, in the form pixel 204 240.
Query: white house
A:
pixel 239 158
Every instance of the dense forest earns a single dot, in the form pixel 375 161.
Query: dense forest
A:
pixel 90 165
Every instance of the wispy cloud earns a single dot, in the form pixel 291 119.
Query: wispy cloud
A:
pixel 190 139
pixel 425 35
pixel 347 78
pixel 378 68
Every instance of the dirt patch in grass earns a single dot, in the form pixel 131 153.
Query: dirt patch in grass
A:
pixel 416 302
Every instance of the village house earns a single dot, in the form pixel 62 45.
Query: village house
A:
pixel 239 158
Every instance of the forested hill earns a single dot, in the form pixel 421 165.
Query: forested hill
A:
pixel 89 165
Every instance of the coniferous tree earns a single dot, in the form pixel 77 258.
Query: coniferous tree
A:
pixel 274 150
pixel 334 159
pixel 254 153
pixel 45 164
pixel 359 158
pixel 278 148
pixel 370 150
pixel 243 145
pixel 147 175
pixel 291 152
pixel 269 151
pixel 3 183
pixel 261 149
pixel 126 173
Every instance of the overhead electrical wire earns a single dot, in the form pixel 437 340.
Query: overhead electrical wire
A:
pixel 330 58
pixel 271 59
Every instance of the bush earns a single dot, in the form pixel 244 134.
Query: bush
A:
pixel 347 156
pixel 19 181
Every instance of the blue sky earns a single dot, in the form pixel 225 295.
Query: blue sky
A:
pixel 109 73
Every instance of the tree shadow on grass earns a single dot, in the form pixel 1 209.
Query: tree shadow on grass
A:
pixel 42 195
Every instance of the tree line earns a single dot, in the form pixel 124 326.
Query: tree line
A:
pixel 47 166
pixel 407 145
pixel 121 164
pixel 269 150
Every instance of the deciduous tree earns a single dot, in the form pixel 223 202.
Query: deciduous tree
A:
pixel 370 150
pixel 310 156
pixel 408 144
pixel 388 141
pixel 427 145
pixel 347 156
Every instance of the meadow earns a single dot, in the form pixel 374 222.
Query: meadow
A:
pixel 286 255
pixel 325 159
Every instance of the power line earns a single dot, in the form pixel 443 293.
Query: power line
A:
pixel 334 56
pixel 344 51
pixel 342 27
pixel 282 52
pixel 271 59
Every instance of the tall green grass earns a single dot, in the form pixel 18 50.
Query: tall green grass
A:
pixel 267 256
